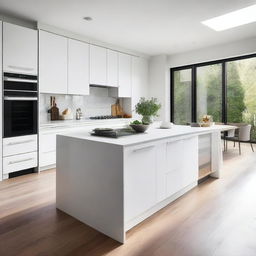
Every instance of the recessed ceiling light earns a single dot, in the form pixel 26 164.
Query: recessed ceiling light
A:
pixel 233 19
pixel 87 18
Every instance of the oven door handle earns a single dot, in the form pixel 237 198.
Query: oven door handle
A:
pixel 20 98
pixel 21 80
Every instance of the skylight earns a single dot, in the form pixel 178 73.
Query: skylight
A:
pixel 233 19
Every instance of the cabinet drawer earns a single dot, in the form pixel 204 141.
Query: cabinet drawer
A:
pixel 19 145
pixel 47 158
pixel 19 162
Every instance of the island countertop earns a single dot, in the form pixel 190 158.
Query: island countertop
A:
pixel 152 134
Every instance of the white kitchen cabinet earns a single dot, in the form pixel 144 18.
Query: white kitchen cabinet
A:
pixel 125 75
pixel 190 162
pixel 19 162
pixel 53 66
pixel 19 49
pixel 98 65
pixel 19 145
pixel 112 68
pixel 47 149
pixel 78 67
pixel 1 116
pixel 174 161
pixel 182 164
pixel 140 180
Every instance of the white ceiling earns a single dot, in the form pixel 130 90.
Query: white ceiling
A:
pixel 147 26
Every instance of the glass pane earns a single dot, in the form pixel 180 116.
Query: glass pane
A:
pixel 241 92
pixel 209 92
pixel 182 96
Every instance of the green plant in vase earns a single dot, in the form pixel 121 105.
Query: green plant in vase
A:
pixel 148 109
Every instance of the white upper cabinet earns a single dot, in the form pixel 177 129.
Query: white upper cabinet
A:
pixel 78 67
pixel 112 68
pixel 53 58
pixel 125 75
pixel 19 49
pixel 98 65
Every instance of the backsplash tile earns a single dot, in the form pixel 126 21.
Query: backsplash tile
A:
pixel 97 103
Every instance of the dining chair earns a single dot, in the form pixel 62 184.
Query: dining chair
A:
pixel 244 135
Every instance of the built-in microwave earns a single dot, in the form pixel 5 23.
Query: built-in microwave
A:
pixel 20 105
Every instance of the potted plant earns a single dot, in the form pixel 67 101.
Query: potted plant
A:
pixel 148 109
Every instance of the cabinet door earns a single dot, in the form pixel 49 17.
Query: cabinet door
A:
pixel 190 163
pixel 53 56
pixel 124 75
pixel 174 160
pixel 19 49
pixel 98 65
pixel 140 180
pixel 78 67
pixel 112 68
pixel 47 149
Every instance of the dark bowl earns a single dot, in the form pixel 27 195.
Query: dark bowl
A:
pixel 139 127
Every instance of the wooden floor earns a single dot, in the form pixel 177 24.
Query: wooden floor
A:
pixel 216 218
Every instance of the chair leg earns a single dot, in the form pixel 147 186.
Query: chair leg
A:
pixel 226 145
pixel 239 147
pixel 234 144
pixel 252 147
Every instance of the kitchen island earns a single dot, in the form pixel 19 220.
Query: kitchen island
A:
pixel 114 184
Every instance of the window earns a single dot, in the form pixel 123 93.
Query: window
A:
pixel 224 89
pixel 182 96
pixel 209 92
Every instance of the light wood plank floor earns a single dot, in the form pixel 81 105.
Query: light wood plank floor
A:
pixel 218 218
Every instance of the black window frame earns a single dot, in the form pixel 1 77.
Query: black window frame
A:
pixel 193 68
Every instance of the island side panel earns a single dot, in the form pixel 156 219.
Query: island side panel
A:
pixel 217 154
pixel 89 184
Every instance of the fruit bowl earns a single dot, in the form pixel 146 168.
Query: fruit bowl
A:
pixel 140 128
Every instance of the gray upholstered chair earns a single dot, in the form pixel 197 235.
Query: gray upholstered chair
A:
pixel 244 135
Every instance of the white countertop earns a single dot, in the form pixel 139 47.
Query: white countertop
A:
pixel 151 134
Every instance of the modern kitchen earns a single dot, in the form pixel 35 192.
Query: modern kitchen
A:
pixel 116 140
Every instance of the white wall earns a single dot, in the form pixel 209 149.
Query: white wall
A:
pixel 159 67
pixel 234 49
pixel 158 79
pixel 140 85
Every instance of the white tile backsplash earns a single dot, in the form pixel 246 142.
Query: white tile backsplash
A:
pixel 97 103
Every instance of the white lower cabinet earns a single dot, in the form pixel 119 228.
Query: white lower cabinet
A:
pixel 140 180
pixel 157 171
pixel 182 164
pixel 19 162
pixel 19 145
pixel 19 153
pixel 47 149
